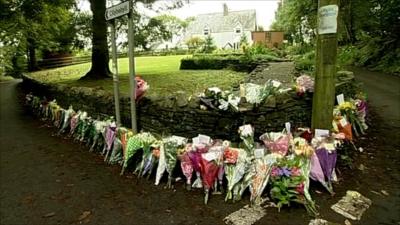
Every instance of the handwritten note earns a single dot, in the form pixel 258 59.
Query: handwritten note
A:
pixel 327 17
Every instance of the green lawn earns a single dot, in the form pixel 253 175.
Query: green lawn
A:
pixel 161 73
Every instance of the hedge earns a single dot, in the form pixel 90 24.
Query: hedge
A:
pixel 216 62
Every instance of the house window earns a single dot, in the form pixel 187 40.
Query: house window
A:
pixel 206 31
pixel 238 30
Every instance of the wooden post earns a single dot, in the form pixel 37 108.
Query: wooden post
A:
pixel 324 91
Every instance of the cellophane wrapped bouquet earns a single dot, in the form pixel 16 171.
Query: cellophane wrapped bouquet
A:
pixel 171 146
pixel 200 145
pixel 210 165
pixel 289 183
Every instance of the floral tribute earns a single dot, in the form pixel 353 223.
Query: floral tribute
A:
pixel 278 167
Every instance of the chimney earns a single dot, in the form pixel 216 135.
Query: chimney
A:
pixel 225 6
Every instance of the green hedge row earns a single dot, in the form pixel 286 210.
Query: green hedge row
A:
pixel 216 62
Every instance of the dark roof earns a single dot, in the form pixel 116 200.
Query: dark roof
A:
pixel 217 22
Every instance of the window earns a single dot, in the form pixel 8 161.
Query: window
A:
pixel 238 30
pixel 206 31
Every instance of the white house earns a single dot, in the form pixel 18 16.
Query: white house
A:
pixel 226 27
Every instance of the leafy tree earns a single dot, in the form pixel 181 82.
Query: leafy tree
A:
pixel 208 45
pixel 194 42
pixel 370 29
pixel 100 58
pixel 298 19
pixel 31 26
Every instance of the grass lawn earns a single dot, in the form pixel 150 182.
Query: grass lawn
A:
pixel 161 73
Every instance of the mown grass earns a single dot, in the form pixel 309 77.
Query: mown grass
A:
pixel 160 72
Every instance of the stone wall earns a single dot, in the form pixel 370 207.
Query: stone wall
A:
pixel 181 116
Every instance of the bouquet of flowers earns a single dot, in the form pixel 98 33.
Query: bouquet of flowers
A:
pixel 348 109
pixel 147 160
pixel 289 183
pixel 111 132
pixel 236 165
pixel 361 104
pixel 141 88
pixel 211 97
pixel 231 101
pixel 116 155
pixel 148 141
pixel 304 83
pixel 209 166
pixel 67 119
pixel 255 93
pixel 141 140
pixel 171 148
pixel 186 165
pixel 74 122
pixel 200 145
pixel 99 129
pixel 246 133
pixel 150 160
pixel 341 125
pixel 326 154
pixel 302 148
pixel 262 166
pixel 276 142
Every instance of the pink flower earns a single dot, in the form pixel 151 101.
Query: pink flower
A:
pixel 275 172
pixel 300 188
pixel 296 172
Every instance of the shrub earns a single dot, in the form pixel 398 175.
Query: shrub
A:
pixel 305 62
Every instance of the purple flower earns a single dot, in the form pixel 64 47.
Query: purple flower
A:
pixel 285 172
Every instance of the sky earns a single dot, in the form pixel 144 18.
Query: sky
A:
pixel 265 9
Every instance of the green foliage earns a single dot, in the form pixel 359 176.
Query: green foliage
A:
pixel 260 49
pixel 204 62
pixel 297 19
pixel 34 27
pixel 305 62
pixel 368 31
pixel 194 42
pixel 236 62
pixel 208 45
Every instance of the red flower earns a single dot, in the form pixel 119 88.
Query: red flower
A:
pixel 231 155
pixel 300 188
pixel 296 171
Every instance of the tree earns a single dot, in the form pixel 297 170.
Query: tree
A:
pixel 100 58
pixel 208 45
pixel 30 26
pixel 194 42
pixel 297 19
pixel 100 68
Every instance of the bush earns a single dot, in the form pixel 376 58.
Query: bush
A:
pixel 260 49
pixel 236 62
pixel 305 62
pixel 208 62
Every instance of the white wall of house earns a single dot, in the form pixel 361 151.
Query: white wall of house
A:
pixel 223 38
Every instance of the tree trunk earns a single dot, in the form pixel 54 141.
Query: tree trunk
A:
pixel 32 61
pixel 100 57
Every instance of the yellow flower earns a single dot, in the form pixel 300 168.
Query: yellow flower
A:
pixel 347 106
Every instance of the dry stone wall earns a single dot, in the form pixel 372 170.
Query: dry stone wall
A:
pixel 181 116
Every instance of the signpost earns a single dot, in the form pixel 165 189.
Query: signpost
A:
pixel 111 14
pixel 132 80
pixel 115 75
pixel 324 91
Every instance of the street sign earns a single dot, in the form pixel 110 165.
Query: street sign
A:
pixel 117 10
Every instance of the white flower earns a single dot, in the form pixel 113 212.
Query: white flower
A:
pixel 246 130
